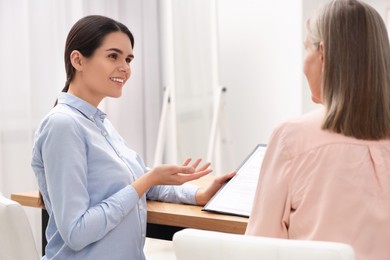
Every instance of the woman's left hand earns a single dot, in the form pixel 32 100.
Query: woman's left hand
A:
pixel 204 194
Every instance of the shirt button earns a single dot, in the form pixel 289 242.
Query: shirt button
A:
pixel 104 133
pixel 91 117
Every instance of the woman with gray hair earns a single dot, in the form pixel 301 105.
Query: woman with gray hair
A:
pixel 326 174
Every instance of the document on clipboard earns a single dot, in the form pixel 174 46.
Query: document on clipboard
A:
pixel 236 196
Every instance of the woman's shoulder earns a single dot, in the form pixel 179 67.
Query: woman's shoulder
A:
pixel 304 133
pixel 61 117
pixel 306 124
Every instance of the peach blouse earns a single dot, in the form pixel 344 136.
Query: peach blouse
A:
pixel 318 185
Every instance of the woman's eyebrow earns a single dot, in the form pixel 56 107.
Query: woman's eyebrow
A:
pixel 119 51
pixel 116 50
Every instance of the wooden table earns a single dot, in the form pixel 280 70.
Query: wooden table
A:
pixel 164 219
pixel 167 218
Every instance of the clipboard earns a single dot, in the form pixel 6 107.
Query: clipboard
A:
pixel 236 196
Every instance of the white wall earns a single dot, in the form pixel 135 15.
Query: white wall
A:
pixel 194 74
pixel 259 45
pixel 260 64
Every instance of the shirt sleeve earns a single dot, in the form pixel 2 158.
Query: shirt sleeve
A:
pixel 175 194
pixel 64 154
pixel 271 206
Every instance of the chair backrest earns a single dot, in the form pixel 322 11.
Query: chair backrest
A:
pixel 194 244
pixel 16 238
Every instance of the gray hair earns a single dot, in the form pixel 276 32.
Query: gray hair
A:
pixel 356 76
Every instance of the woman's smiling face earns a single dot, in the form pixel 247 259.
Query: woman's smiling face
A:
pixel 105 72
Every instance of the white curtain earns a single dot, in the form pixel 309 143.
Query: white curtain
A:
pixel 32 72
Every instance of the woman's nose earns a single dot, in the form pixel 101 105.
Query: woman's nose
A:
pixel 124 68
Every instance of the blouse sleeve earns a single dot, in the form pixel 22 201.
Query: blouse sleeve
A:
pixel 271 206
pixel 174 194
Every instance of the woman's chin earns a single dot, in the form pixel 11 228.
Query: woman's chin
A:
pixel 316 100
pixel 116 95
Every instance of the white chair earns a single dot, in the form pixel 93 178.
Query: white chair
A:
pixel 195 244
pixel 16 238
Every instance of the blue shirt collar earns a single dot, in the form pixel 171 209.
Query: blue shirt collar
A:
pixel 89 111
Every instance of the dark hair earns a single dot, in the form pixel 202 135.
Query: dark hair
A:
pixel 86 35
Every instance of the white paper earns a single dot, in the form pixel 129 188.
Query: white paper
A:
pixel 236 196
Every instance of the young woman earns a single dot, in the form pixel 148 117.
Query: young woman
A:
pixel 326 175
pixel 94 187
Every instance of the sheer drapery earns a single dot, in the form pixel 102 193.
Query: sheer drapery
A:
pixel 32 42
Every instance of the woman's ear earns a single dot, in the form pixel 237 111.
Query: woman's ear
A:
pixel 76 58
pixel 322 52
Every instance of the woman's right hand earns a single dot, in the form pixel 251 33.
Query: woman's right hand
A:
pixel 177 175
pixel 171 175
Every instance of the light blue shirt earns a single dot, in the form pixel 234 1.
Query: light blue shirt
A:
pixel 84 170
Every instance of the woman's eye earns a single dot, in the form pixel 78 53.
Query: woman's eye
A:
pixel 128 60
pixel 113 56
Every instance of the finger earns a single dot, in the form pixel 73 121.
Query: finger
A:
pixel 204 172
pixel 231 174
pixel 204 167
pixel 227 176
pixel 196 163
pixel 187 161
pixel 200 174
